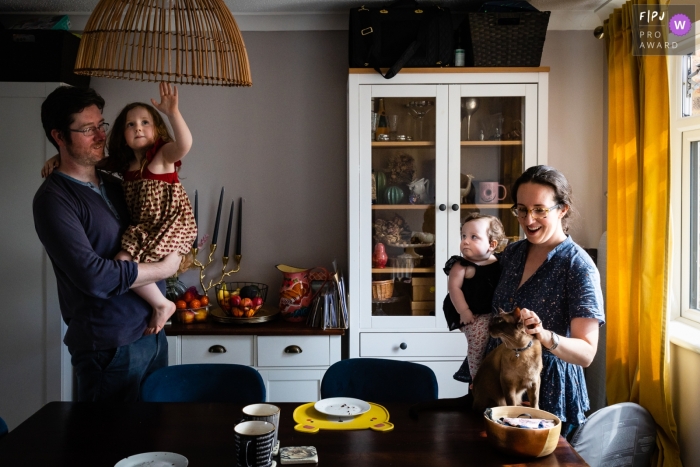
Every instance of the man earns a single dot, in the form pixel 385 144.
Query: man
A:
pixel 80 215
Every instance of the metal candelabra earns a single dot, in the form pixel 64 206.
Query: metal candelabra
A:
pixel 224 272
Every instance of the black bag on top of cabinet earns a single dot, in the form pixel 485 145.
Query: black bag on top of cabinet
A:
pixel 402 34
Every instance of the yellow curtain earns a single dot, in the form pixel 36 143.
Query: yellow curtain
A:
pixel 637 350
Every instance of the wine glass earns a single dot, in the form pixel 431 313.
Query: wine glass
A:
pixel 393 121
pixel 469 108
pixel 418 110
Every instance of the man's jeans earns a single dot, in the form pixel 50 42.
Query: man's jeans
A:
pixel 117 374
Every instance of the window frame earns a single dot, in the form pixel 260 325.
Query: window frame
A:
pixel 683 132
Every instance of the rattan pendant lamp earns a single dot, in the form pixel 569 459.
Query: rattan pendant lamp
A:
pixel 176 41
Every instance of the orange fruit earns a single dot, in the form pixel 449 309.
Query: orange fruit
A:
pixel 180 304
pixel 188 296
pixel 195 304
pixel 204 300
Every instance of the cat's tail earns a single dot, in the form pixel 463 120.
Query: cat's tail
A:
pixel 463 403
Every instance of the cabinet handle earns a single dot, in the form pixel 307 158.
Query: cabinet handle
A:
pixel 442 207
pixel 403 346
pixel 292 349
pixel 217 349
pixel 455 207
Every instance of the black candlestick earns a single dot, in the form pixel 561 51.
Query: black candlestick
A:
pixel 228 231
pixel 215 236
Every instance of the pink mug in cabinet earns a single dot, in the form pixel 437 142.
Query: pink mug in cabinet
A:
pixel 488 193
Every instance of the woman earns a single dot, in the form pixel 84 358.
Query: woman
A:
pixel 557 287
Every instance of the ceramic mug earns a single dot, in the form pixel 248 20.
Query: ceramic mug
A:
pixel 265 412
pixel 254 443
pixel 488 193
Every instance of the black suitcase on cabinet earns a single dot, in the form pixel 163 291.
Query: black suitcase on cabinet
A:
pixel 403 34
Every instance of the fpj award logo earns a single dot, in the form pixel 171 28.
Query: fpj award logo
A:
pixel 658 29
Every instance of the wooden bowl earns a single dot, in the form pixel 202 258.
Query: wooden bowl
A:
pixel 522 442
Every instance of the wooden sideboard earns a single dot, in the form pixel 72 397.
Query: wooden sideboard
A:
pixel 291 357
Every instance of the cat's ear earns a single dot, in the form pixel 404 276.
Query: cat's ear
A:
pixel 516 313
pixel 501 311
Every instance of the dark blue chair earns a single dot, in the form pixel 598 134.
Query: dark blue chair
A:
pixel 3 428
pixel 380 380
pixel 205 382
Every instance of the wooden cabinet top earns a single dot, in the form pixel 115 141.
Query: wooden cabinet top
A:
pixel 277 327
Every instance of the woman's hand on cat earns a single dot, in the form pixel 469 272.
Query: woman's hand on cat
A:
pixel 532 322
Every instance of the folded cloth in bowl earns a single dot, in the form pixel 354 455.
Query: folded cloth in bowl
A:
pixel 528 422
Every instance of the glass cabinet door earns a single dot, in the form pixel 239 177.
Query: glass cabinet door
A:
pixel 407 150
pixel 494 140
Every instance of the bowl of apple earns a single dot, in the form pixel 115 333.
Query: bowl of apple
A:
pixel 241 299
pixel 191 307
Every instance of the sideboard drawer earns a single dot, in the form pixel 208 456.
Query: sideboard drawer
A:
pixel 203 349
pixel 281 351
pixel 413 344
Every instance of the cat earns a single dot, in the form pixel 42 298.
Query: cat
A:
pixel 509 371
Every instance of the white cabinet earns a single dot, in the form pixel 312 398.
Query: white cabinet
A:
pixel 458 134
pixel 291 365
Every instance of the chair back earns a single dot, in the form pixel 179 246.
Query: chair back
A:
pixel 623 434
pixel 204 382
pixel 3 428
pixel 380 380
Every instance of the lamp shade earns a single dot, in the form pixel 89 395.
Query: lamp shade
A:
pixel 176 41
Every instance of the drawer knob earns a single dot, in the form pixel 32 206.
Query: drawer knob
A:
pixel 403 346
pixel 217 349
pixel 442 207
pixel 455 207
pixel 292 349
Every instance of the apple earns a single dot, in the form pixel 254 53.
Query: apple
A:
pixel 200 315
pixel 257 302
pixel 235 300
pixel 187 316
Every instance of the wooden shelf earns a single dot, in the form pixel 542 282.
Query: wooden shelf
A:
pixel 402 206
pixel 404 144
pixel 486 206
pixel 382 207
pixel 490 143
pixel 393 270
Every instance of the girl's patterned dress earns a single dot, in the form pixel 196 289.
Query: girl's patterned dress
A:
pixel 162 221
pixel 478 292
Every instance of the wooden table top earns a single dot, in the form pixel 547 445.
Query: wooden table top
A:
pixel 275 327
pixel 100 434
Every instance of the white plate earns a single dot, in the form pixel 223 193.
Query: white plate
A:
pixel 154 459
pixel 342 406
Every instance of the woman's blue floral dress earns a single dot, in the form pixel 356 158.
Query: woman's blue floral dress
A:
pixel 566 286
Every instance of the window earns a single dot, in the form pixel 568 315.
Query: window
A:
pixel 684 76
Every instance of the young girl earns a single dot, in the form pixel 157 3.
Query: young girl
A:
pixel 473 277
pixel 143 152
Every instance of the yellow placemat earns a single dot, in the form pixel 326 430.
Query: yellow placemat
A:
pixel 310 420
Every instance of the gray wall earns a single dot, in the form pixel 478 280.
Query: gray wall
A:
pixel 280 144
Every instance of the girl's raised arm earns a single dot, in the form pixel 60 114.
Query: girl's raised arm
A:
pixel 176 150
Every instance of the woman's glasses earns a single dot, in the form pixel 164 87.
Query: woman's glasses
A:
pixel 537 213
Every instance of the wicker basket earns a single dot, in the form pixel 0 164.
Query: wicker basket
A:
pixel 382 290
pixel 507 39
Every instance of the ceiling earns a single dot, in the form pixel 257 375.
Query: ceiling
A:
pixel 566 14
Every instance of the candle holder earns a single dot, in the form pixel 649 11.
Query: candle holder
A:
pixel 224 273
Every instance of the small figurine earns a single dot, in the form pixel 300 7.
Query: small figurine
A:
pixel 419 189
pixel 379 257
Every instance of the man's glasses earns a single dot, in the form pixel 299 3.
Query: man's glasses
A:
pixel 103 127
pixel 537 213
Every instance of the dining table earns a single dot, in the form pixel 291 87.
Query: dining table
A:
pixel 101 434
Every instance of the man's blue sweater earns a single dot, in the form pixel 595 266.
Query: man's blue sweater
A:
pixel 81 235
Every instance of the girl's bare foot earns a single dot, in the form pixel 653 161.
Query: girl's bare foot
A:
pixel 161 314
